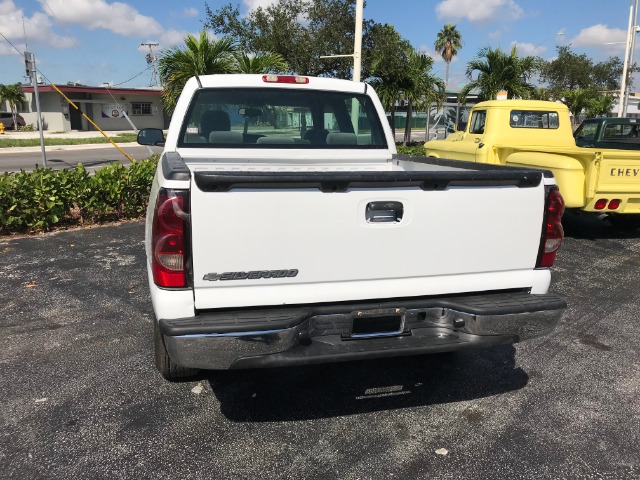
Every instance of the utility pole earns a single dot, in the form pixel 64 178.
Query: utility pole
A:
pixel 635 30
pixel 357 60
pixel 151 60
pixel 32 73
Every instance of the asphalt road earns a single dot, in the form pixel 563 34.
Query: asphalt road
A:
pixel 81 398
pixel 58 158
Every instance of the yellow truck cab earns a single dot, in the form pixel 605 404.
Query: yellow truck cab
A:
pixel 534 133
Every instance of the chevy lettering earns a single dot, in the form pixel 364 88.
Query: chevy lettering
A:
pixel 625 172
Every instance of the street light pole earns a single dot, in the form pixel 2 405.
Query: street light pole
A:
pixel 357 44
pixel 632 51
pixel 32 72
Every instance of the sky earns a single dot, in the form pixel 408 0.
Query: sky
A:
pixel 99 41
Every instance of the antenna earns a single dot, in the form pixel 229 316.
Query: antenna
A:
pixel 151 60
pixel 24 30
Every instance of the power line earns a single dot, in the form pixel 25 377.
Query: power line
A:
pixel 14 47
pixel 135 76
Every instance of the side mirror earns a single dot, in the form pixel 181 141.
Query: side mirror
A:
pixel 151 136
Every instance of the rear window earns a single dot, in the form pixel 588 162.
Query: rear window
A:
pixel 281 118
pixel 533 119
pixel 615 131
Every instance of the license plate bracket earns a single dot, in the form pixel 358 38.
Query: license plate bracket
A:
pixel 385 322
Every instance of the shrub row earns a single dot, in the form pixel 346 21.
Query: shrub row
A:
pixel 38 201
pixel 413 149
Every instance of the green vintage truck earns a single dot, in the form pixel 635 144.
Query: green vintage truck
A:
pixel 620 133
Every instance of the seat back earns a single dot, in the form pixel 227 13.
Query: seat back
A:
pixel 225 137
pixel 273 140
pixel 340 138
pixel 214 120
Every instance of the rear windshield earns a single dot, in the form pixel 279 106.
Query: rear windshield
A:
pixel 281 118
pixel 615 131
pixel 533 119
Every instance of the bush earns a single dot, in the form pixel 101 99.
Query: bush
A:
pixel 415 149
pixel 43 199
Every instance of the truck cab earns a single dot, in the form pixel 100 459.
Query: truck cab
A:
pixel 620 132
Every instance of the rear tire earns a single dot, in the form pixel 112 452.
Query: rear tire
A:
pixel 169 369
pixel 625 222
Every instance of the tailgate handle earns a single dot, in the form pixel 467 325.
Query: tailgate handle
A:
pixel 378 212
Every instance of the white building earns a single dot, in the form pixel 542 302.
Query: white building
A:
pixel 104 107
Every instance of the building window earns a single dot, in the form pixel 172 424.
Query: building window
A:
pixel 141 108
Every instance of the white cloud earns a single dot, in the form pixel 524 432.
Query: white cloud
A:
pixel 476 11
pixel 495 35
pixel 526 49
pixel 253 4
pixel 38 28
pixel 118 17
pixel 167 39
pixel 431 53
pixel 190 12
pixel 598 35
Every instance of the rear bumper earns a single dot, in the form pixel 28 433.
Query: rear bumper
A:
pixel 319 334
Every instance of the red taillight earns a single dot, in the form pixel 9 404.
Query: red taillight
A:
pixel 285 79
pixel 614 204
pixel 552 233
pixel 600 204
pixel 168 238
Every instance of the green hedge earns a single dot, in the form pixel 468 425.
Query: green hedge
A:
pixel 415 149
pixel 43 199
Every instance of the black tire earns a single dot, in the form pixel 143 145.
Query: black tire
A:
pixel 169 369
pixel 625 222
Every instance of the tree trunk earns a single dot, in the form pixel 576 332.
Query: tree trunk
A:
pixel 407 126
pixel 393 121
pixel 446 76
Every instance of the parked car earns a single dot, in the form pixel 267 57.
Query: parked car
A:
pixel 280 231
pixel 619 133
pixel 6 118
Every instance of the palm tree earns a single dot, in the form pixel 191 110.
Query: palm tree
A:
pixel 448 43
pixel 388 90
pixel 600 105
pixel 261 62
pixel 577 100
pixel 421 88
pixel 13 95
pixel 199 56
pixel 498 71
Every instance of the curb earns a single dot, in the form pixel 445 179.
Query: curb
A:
pixel 53 148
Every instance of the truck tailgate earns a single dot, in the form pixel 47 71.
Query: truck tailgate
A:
pixel 268 238
pixel 619 172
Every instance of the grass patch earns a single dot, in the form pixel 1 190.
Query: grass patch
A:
pixel 35 142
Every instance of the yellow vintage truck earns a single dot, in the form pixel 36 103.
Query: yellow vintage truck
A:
pixel 533 133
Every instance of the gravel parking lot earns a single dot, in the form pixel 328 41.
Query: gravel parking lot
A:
pixel 81 398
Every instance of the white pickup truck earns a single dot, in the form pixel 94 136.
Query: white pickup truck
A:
pixel 284 229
